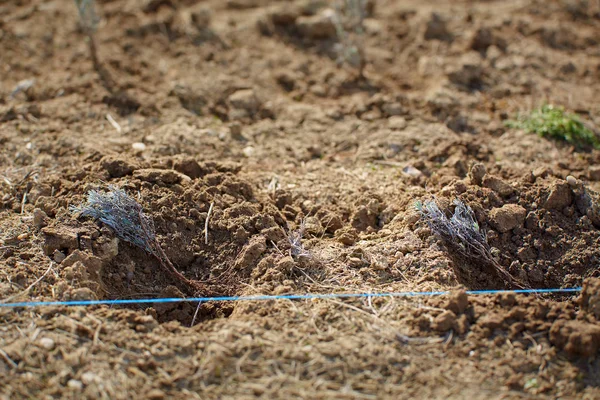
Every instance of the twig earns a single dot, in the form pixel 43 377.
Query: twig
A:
pixel 206 223
pixel 8 359
pixel 196 314
pixel 114 123
pixel 30 286
pixel 23 201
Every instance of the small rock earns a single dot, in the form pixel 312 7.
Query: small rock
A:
pixel 458 302
pixel 477 173
pixel 576 337
pixel 40 218
pixel 560 196
pixel 507 217
pixel 397 123
pixel 411 171
pixel 58 256
pixel 138 147
pixel 392 109
pixel 235 129
pixel 498 186
pixel 117 167
pixel 286 264
pixel 155 394
pixel 188 166
pixel 318 26
pixel 248 151
pixel 590 297
pixel 89 377
pixel 75 384
pixel 59 239
pixel 83 294
pixel 347 236
pixel 251 253
pixel 443 322
pixel 47 343
pixel 245 100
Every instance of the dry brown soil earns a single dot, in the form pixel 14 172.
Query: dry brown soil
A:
pixel 241 104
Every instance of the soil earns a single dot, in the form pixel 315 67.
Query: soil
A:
pixel 235 115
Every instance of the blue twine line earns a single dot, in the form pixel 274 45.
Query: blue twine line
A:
pixel 307 296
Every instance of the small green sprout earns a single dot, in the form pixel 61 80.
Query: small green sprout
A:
pixel 552 121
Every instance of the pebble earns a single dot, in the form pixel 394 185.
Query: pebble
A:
pixel 75 384
pixel 47 343
pixel 138 146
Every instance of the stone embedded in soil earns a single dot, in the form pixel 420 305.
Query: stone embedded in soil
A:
pixel 576 337
pixel 47 343
pixel 444 322
pixel 117 167
pixel 590 297
pixel 40 218
pixel 160 176
pixel 188 166
pixel 560 196
pixel 477 173
pixel 251 253
pixel 92 264
pixel 507 217
pixel 498 186
pixel 397 123
pixel 458 302
pixel 586 200
pixel 59 239
pixel 347 236
pixel 246 101
pixel 82 294
pixel 318 26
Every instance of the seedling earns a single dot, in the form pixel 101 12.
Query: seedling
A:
pixel 552 121
pixel 126 217
pixel 348 20
pixel 295 239
pixel 462 234
pixel 89 23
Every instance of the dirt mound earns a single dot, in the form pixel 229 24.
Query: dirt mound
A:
pixel 178 196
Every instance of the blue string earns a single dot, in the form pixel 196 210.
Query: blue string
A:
pixel 308 296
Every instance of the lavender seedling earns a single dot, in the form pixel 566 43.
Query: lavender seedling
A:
pixel 348 21
pixel 462 234
pixel 89 20
pixel 126 217
pixel 295 239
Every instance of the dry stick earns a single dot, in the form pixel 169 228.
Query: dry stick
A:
pixel 30 286
pixel 196 314
pixel 194 286
pixel 114 123
pixel 23 201
pixel 206 223
pixel 8 359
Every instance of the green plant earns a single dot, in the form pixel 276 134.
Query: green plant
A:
pixel 552 121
